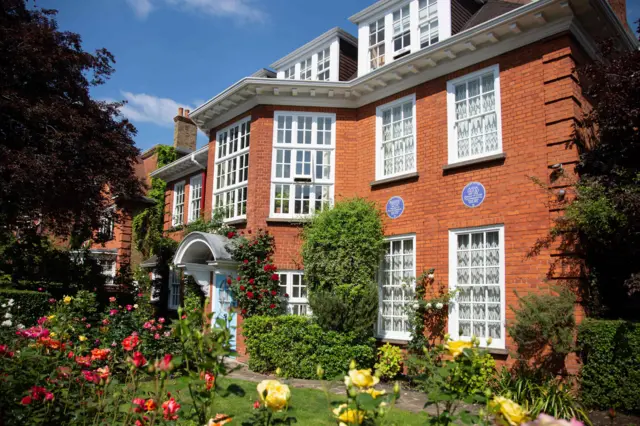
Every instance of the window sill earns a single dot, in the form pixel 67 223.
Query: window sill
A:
pixel 393 341
pixel 496 351
pixel 235 221
pixel 461 164
pixel 288 219
pixel 394 179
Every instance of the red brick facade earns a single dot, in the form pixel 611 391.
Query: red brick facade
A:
pixel 540 100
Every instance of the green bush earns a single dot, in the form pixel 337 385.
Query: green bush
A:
pixel 28 306
pixel 610 352
pixel 298 346
pixel 543 328
pixel 389 362
pixel 341 253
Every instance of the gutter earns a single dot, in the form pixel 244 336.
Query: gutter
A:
pixel 193 160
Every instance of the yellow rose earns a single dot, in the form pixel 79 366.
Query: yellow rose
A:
pixel 456 348
pixel 374 393
pixel 82 338
pixel 511 411
pixel 52 334
pixel 348 415
pixel 67 299
pixel 50 317
pixel 277 395
pixel 363 378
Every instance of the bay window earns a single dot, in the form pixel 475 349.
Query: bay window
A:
pixel 376 44
pixel 396 283
pixel 476 271
pixel 195 197
pixel 290 73
pixel 302 177
pixel 473 104
pixel 396 145
pixel 232 170
pixel 178 204
pixel 401 30
pixel 428 18
pixel 293 285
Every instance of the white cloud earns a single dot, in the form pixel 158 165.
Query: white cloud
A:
pixel 244 10
pixel 141 8
pixel 144 108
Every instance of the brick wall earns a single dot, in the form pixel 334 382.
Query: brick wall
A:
pixel 540 100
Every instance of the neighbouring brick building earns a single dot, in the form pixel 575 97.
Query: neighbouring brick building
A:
pixel 442 112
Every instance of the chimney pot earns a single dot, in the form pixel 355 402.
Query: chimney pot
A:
pixel 180 110
pixel 186 113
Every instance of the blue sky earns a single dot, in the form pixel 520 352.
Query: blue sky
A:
pixel 172 53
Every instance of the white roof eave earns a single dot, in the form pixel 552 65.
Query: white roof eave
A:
pixel 521 26
pixel 183 166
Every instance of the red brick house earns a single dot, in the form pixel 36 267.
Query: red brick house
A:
pixel 441 111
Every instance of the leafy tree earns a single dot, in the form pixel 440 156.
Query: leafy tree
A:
pixel 63 155
pixel 341 251
pixel 602 223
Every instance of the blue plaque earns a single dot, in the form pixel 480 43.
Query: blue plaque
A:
pixel 395 207
pixel 473 194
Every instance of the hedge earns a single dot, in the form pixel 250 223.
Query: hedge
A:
pixel 28 305
pixel 610 376
pixel 297 346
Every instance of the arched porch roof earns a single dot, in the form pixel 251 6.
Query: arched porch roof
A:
pixel 202 248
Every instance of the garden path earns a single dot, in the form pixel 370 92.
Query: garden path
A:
pixel 409 400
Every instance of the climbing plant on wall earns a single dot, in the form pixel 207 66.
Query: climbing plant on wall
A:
pixel 147 225
pixel 257 285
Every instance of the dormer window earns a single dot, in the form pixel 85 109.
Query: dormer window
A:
pixel 305 69
pixel 401 31
pixel 376 43
pixel 323 64
pixel 290 73
pixel 428 16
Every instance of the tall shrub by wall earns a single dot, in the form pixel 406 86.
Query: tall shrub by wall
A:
pixel 298 346
pixel 610 376
pixel 27 307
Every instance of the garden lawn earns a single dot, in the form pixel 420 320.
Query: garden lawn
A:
pixel 308 406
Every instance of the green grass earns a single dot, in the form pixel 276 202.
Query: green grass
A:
pixel 308 406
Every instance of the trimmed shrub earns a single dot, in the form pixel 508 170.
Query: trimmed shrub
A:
pixel 28 306
pixel 610 376
pixel 298 346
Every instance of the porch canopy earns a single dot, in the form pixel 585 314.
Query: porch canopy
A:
pixel 200 254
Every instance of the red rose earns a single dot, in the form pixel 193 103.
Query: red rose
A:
pixel 246 261
pixel 242 288
pixel 250 295
pixel 239 278
pixel 244 312
pixel 266 268
pixel 286 295
pixel 228 280
pixel 251 281
pixel 272 306
pixel 129 343
pixel 26 400
pixel 231 234
pixel 275 277
pixel 273 292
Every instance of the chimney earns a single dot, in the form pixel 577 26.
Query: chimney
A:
pixel 185 131
pixel 620 9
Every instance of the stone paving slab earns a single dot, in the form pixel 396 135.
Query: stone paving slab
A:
pixel 409 400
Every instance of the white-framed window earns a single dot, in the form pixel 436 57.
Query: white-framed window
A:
pixel 108 266
pixel 476 270
pixel 154 293
pixel 195 197
pixel 293 285
pixel 396 287
pixel 428 22
pixel 324 64
pixel 290 73
pixel 178 204
pixel 305 69
pixel 376 44
pixel 475 124
pixel 401 30
pixel 232 170
pixel 303 168
pixel 173 301
pixel 395 137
